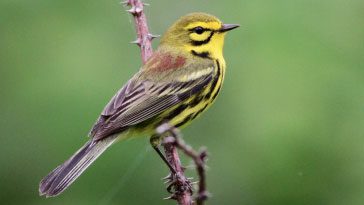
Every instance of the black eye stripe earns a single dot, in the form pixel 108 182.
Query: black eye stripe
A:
pixel 199 43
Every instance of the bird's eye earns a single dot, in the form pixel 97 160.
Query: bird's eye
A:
pixel 199 30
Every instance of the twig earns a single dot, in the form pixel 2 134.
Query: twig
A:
pixel 179 183
pixel 182 189
pixel 144 38
pixel 173 139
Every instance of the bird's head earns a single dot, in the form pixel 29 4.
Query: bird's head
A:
pixel 198 33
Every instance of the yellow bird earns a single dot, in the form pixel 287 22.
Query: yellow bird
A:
pixel 178 82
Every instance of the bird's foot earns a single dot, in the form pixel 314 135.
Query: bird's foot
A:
pixel 177 184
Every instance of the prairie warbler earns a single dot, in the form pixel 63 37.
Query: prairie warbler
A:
pixel 179 81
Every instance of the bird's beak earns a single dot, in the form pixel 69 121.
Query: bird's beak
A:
pixel 228 27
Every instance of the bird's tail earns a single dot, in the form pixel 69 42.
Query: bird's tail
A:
pixel 65 174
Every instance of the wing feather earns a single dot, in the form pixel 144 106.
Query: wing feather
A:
pixel 140 100
pixel 145 106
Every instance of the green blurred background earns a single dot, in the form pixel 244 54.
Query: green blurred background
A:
pixel 288 127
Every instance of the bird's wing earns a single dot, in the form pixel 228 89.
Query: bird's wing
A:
pixel 139 101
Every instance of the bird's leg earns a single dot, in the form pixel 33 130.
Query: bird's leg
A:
pixel 177 182
pixel 155 141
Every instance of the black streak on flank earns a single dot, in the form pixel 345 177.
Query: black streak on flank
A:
pixel 217 77
pixel 214 82
pixel 197 88
pixel 206 41
pixel 184 121
pixel 217 92
pixel 204 54
pixel 218 66
pixel 199 112
pixel 212 88
pixel 196 100
pixel 177 111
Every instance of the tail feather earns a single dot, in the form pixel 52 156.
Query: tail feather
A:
pixel 65 174
pixel 46 182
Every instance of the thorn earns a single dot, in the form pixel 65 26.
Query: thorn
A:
pixel 131 10
pixel 172 197
pixel 146 4
pixel 152 36
pixel 137 41
pixel 125 3
pixel 135 10
pixel 169 176
pixel 190 166
pixel 169 181
pixel 138 10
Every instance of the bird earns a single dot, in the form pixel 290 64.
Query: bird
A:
pixel 177 83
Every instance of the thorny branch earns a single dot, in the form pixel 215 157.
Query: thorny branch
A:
pixel 179 186
pixel 144 38
pixel 173 139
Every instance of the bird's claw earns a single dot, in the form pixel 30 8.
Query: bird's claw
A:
pixel 177 184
